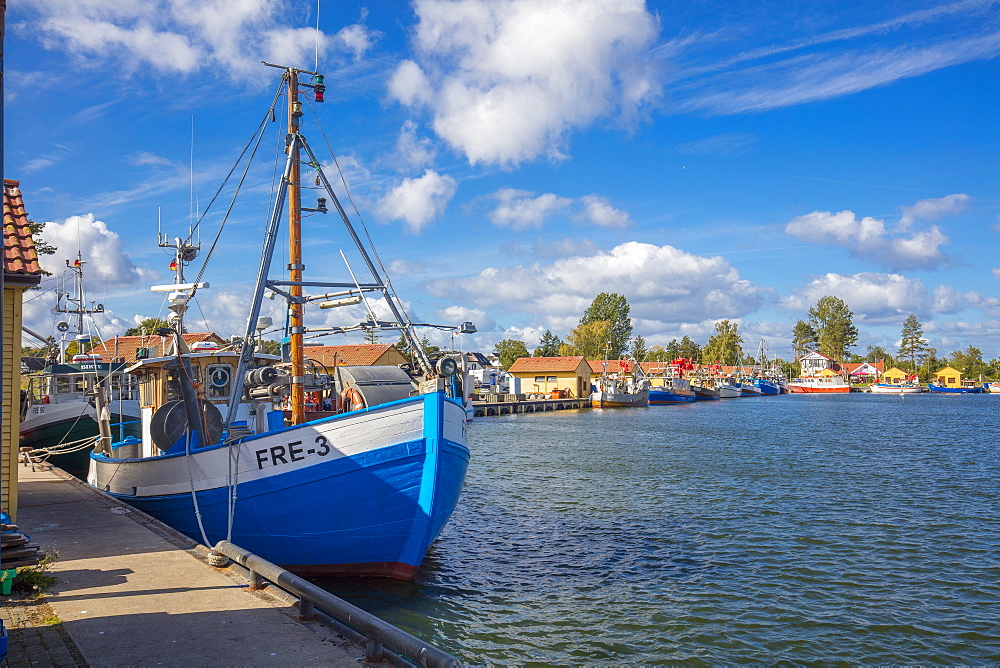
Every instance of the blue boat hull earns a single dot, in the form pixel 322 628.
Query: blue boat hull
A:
pixel 661 397
pixel 767 387
pixel 931 387
pixel 373 513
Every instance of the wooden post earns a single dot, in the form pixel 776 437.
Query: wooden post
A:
pixel 295 265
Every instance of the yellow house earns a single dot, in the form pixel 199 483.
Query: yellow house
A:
pixel 20 272
pixel 894 376
pixel 545 374
pixel 948 377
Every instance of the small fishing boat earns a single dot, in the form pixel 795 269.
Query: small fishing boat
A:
pixel 896 388
pixel 767 386
pixel 323 471
pixel 704 393
pixel 729 388
pixel 942 389
pixel 626 388
pixel 58 417
pixel 671 387
pixel 819 385
pixel 992 388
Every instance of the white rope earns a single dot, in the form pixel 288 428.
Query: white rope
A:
pixel 194 496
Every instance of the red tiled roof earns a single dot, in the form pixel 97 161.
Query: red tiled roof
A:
pixel 614 366
pixel 851 367
pixel 20 258
pixel 357 355
pixel 525 364
pixel 124 347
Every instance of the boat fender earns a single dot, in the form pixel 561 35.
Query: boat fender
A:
pixel 353 397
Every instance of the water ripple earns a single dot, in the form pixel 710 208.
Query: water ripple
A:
pixel 803 530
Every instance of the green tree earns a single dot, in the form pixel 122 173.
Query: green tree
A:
pixel 688 349
pixel 833 323
pixel 425 343
pixel 372 335
pixel 673 350
pixel 589 340
pixel 912 344
pixel 803 338
pixel 726 345
pixel 879 354
pixel 639 349
pixel 403 346
pixel 970 362
pixel 548 345
pixel 509 351
pixel 657 354
pixel 614 309
pixel 149 326
pixel 42 247
pixel 270 347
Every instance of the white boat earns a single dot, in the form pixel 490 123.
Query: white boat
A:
pixel 895 388
pixel 729 388
pixel 819 385
pixel 324 471
pixel 992 388
pixel 626 388
pixel 58 418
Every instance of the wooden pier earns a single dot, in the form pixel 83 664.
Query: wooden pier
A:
pixel 508 404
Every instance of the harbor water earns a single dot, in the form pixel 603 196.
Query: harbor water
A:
pixel 803 528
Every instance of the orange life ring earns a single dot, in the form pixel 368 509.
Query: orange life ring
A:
pixel 353 396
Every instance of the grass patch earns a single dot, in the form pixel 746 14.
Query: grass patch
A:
pixel 34 580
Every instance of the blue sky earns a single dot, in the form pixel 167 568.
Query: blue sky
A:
pixel 708 160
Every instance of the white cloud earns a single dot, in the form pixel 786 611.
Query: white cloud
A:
pixel 662 284
pixel 187 36
pixel 520 209
pixel 456 315
pixel 996 273
pixel 885 298
pixel 812 77
pixel 598 211
pixel 418 201
pixel 869 239
pixel 413 152
pixel 107 261
pixel 508 82
pixel 932 210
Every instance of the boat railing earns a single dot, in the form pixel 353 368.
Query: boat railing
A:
pixel 379 634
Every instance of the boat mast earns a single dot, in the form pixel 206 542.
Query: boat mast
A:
pixel 295 266
pixel 80 302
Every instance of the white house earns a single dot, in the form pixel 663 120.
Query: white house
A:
pixel 815 362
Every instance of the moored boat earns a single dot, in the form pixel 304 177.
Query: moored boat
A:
pixel 992 388
pixel 942 389
pixel 895 388
pixel 729 388
pixel 671 387
pixel 363 472
pixel 620 391
pixel 819 385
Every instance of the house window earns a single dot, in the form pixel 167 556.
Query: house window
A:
pixel 552 379
pixel 539 379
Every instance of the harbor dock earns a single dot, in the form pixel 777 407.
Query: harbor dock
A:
pixel 508 404
pixel 131 591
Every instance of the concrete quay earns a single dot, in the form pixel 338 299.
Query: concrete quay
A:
pixel 508 404
pixel 131 591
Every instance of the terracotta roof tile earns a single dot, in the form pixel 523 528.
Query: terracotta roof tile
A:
pixel 125 347
pixel 526 364
pixel 20 258
pixel 356 355
pixel 614 366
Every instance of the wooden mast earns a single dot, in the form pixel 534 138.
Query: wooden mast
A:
pixel 295 266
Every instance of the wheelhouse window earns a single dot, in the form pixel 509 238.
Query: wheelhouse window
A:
pixel 219 381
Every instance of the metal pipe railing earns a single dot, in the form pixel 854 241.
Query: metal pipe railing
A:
pixel 378 632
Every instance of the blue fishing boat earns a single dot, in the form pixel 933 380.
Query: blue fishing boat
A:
pixel 941 389
pixel 765 386
pixel 324 471
pixel 670 386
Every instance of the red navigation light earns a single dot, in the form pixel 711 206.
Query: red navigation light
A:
pixel 173 265
pixel 319 95
pixel 319 86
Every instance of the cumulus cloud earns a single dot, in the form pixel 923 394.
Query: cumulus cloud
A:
pixel 996 273
pixel 520 209
pixel 663 285
pixel 885 298
pixel 508 82
pixel 869 238
pixel 456 315
pixel 102 249
pixel 183 37
pixel 418 201
pixel 413 152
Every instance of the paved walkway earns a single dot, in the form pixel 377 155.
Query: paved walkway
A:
pixel 129 593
